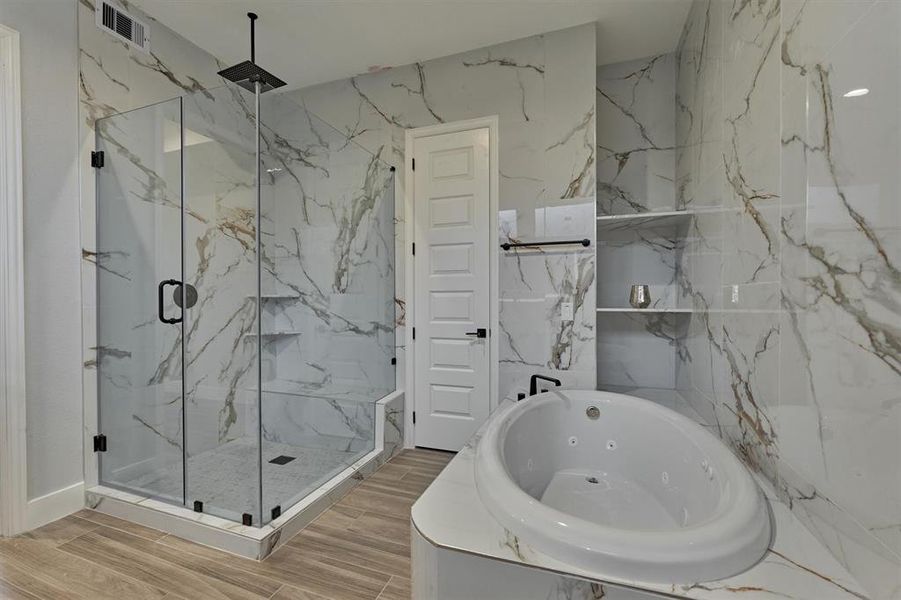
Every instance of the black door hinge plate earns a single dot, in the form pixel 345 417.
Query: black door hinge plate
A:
pixel 97 159
pixel 414 333
pixel 198 506
pixel 414 417
pixel 100 443
pixel 247 519
pixel 276 512
pixel 414 248
pixel 414 164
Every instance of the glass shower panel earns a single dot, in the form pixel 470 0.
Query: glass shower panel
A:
pixel 139 336
pixel 263 386
pixel 221 342
pixel 327 299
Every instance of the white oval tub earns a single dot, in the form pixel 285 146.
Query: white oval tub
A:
pixel 639 493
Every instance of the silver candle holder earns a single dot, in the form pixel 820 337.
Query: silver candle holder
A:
pixel 640 296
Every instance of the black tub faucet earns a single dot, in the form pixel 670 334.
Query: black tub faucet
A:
pixel 533 383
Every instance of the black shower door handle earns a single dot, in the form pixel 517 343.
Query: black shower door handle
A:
pixel 160 308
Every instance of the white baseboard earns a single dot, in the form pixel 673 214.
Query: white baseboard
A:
pixel 53 506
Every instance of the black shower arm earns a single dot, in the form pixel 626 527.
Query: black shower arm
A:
pixel 253 40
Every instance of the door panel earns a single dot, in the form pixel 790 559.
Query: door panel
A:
pixel 139 333
pixel 451 196
pixel 222 349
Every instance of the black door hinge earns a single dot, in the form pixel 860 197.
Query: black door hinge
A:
pixel 414 248
pixel 393 360
pixel 97 159
pixel 414 417
pixel 414 333
pixel 414 164
pixel 100 443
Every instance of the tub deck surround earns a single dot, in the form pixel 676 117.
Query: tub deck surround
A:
pixel 451 516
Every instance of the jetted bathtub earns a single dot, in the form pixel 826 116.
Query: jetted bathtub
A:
pixel 621 486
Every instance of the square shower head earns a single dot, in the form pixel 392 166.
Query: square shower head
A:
pixel 247 73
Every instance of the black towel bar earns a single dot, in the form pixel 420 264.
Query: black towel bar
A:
pixel 507 245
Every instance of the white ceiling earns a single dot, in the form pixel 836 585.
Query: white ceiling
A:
pixel 306 42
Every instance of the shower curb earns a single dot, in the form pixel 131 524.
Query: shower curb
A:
pixel 256 542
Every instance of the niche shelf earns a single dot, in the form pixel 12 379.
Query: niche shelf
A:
pixel 272 334
pixel 629 309
pixel 671 218
pixel 275 296
pixel 639 347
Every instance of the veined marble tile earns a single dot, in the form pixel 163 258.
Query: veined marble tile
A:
pixel 537 87
pixel 636 136
pixel 792 351
pixel 841 290
pixel 451 517
pixel 330 189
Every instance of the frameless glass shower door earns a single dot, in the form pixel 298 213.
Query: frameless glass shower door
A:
pixel 179 381
pixel 139 333
pixel 245 301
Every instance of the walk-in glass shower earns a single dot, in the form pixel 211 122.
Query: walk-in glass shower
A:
pixel 245 301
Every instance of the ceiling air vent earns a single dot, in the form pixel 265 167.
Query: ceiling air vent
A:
pixel 122 25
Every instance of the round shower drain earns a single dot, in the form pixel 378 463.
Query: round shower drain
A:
pixel 591 479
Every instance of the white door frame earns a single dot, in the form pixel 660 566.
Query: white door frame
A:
pixel 491 123
pixel 13 480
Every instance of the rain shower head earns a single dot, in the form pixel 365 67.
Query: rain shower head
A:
pixel 248 73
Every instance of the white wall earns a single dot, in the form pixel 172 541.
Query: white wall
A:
pixel 52 314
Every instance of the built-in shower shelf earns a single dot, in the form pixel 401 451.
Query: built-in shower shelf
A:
pixel 272 334
pixel 670 218
pixel 275 296
pixel 629 309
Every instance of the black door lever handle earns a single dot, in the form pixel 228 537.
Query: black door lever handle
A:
pixel 481 332
pixel 160 308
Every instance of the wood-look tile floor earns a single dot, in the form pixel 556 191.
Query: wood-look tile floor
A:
pixel 358 549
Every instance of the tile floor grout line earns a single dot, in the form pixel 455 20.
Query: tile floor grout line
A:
pixel 385 587
pixel 247 570
pixel 74 537
pixel 275 592
pixel 201 576
pixel 98 525
pixel 26 593
pixel 114 572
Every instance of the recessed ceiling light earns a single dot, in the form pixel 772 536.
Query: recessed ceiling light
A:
pixel 857 92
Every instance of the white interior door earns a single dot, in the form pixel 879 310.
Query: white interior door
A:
pixel 451 205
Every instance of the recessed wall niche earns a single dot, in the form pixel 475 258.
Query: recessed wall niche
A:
pixel 641 231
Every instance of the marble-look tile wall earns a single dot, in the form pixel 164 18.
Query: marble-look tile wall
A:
pixel 636 136
pixel 792 263
pixel 329 281
pixel 327 254
pixel 541 89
